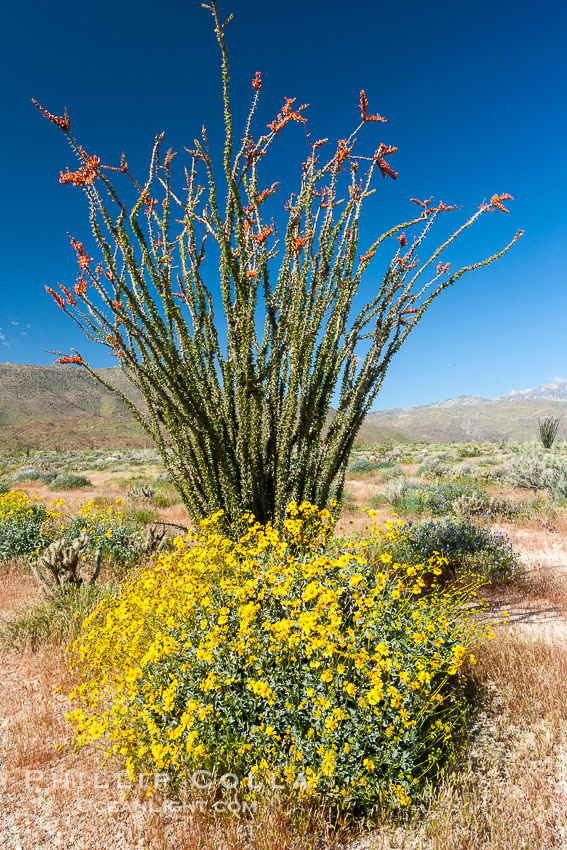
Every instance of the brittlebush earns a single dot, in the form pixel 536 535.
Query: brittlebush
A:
pixel 25 524
pixel 281 650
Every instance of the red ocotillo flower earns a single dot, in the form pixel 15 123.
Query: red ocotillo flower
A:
pixel 403 262
pixel 82 257
pixel 257 81
pixel 496 202
pixel 62 121
pixel 70 300
pixel 368 256
pixel 263 235
pixel 385 169
pixel 75 359
pixel 402 240
pixel 56 297
pixel 85 174
pixel 342 152
pixel 266 192
pixel 427 210
pixel 364 109
pixel 287 115
pixel 423 204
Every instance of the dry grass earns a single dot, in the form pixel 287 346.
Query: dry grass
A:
pixel 54 799
pixel 17 584
pixel 541 549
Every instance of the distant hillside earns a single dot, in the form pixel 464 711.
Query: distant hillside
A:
pixel 62 406
pixel 514 416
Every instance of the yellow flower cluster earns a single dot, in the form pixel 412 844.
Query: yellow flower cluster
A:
pixel 99 520
pixel 284 648
pixel 26 526
pixel 19 502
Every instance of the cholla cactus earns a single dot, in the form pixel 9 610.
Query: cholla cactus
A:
pixel 142 492
pixel 473 505
pixel 57 568
pixel 244 425
pixel 154 540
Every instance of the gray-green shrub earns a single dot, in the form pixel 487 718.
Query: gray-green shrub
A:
pixel 69 481
pixel 466 545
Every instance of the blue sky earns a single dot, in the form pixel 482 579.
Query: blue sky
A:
pixel 474 96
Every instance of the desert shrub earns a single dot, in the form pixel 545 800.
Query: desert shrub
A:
pixel 466 546
pixel 25 525
pixel 486 474
pixel 540 471
pixel 395 489
pixel 437 499
pixel 386 447
pixel 279 651
pixel 363 464
pixel 542 511
pixel 497 507
pixel 471 505
pixel 391 473
pixel 143 516
pixel 26 475
pixel 166 496
pixel 110 528
pixel 141 493
pixel 434 467
pixel 347 502
pixel 499 471
pixel 69 481
pixel 56 617
pixel 4 485
pixel 127 482
pixel 469 451
pixel 462 470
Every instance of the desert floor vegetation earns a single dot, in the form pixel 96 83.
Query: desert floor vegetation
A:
pixel 505 789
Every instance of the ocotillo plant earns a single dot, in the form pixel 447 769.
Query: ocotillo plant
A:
pixel 244 425
pixel 548 428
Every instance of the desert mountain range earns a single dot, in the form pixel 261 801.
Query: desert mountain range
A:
pixel 62 407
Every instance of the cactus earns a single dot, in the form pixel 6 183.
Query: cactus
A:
pixel 470 505
pixel 154 539
pixel 142 492
pixel 57 567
